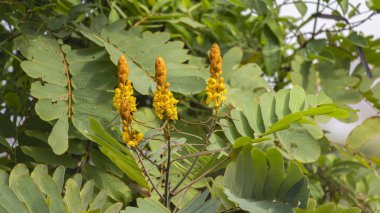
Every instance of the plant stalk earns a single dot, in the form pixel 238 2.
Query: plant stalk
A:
pixel 167 195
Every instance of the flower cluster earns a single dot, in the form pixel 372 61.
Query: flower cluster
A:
pixel 215 90
pixel 125 102
pixel 164 104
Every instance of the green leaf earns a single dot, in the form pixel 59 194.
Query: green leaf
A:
pixel 4 142
pixel 300 144
pixel 48 110
pixel 304 75
pixel 115 208
pixel 344 5
pixel 59 177
pixel 28 192
pixel 301 7
pixel 44 53
pixel 256 186
pixel 48 91
pixel 12 100
pixel 116 152
pixel 49 187
pixel 40 192
pixel 146 205
pixel 367 131
pixel 18 171
pixel 72 196
pixel 86 193
pixel 297 99
pixel 252 112
pixel 242 141
pixel 271 51
pixel 98 201
pixel 276 173
pixel 114 186
pixel 357 40
pixel 199 204
pixel 45 155
pixel 9 201
pixel 325 208
pixel 141 62
pixel 282 103
pixel 241 123
pixel 7 129
pixel 231 60
pixel 58 138
pixel 229 130
pixel 248 77
pixel 187 85
pixel 268 107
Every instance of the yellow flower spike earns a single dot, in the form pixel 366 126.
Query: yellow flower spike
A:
pixel 215 89
pixel 122 69
pixel 164 104
pixel 125 102
pixel 161 71
pixel 125 137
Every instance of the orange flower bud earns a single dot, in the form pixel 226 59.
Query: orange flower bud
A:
pixel 161 71
pixel 122 69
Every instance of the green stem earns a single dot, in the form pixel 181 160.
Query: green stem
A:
pixel 167 195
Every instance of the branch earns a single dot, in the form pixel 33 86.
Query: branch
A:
pixel 315 20
pixel 200 177
pixel 147 174
pixel 211 130
pixel 150 160
pixel 364 62
pixel 334 17
pixel 200 153
pixel 168 163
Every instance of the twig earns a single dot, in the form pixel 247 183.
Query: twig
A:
pixel 147 174
pixel 364 62
pixel 189 134
pixel 200 153
pixel 200 177
pixel 150 160
pixel 180 200
pixel 167 176
pixel 315 20
pixel 211 130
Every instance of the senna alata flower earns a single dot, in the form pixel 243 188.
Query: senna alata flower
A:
pixel 125 102
pixel 216 89
pixel 164 104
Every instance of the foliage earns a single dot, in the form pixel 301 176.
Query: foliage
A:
pixel 40 192
pixel 262 180
pixel 58 72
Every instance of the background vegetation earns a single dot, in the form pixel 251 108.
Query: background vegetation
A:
pixel 60 138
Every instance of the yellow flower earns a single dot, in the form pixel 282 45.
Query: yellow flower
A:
pixel 125 102
pixel 164 104
pixel 137 138
pixel 216 89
